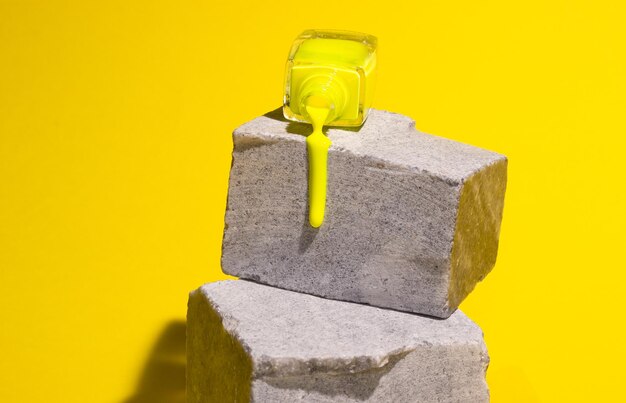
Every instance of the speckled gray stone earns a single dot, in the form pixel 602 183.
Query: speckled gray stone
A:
pixel 412 220
pixel 252 342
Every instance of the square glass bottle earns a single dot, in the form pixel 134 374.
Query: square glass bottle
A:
pixel 336 67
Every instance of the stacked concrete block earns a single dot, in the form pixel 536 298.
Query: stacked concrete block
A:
pixel 412 224
pixel 412 220
pixel 252 342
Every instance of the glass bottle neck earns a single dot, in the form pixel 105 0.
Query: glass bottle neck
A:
pixel 324 91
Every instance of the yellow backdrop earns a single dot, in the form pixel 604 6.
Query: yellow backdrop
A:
pixel 115 122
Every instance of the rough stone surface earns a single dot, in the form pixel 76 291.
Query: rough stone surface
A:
pixel 251 342
pixel 412 220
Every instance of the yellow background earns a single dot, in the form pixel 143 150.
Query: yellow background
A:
pixel 115 122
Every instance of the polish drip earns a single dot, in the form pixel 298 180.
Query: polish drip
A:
pixel 317 149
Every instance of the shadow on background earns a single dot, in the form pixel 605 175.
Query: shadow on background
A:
pixel 163 377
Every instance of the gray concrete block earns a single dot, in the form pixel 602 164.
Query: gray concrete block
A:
pixel 251 342
pixel 412 220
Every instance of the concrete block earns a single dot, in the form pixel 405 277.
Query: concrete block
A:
pixel 412 220
pixel 251 342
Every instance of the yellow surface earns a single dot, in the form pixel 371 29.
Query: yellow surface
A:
pixel 115 121
pixel 317 145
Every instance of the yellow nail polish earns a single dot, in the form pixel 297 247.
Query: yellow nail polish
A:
pixel 329 80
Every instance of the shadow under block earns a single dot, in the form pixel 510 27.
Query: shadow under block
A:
pixel 251 342
pixel 412 220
